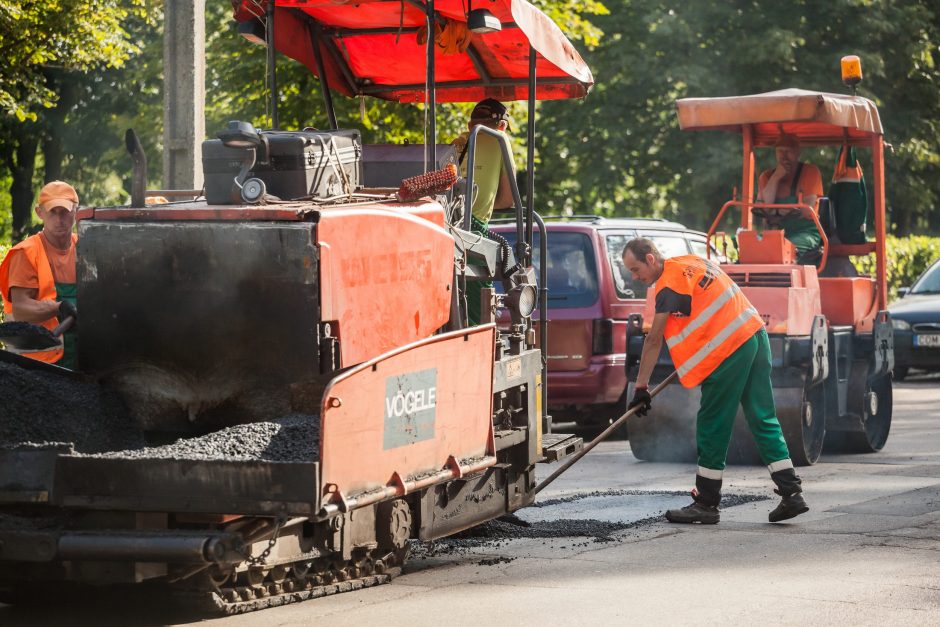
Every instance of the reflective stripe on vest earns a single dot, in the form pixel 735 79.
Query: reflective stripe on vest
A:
pixel 720 318
pixel 718 340
pixel 704 316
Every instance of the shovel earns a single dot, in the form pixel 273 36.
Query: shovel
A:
pixel 26 337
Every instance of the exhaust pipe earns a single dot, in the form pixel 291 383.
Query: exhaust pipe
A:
pixel 139 182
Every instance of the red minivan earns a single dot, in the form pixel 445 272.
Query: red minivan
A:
pixel 590 296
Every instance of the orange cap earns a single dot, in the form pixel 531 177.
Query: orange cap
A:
pixel 58 194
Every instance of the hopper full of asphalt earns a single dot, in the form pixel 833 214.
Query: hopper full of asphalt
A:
pixel 293 438
pixel 42 407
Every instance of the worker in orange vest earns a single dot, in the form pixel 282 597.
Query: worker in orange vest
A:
pixel 717 340
pixel 37 277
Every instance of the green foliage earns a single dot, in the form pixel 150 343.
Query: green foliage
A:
pixel 3 254
pixel 105 104
pixel 570 15
pixel 69 34
pixel 908 257
pixel 620 151
pixel 617 152
pixel 6 222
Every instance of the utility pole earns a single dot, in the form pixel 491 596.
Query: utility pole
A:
pixel 184 88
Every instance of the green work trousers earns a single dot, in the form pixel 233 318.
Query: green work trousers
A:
pixel 743 378
pixel 68 291
pixel 475 287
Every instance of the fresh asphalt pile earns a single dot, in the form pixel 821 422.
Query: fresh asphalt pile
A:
pixel 42 410
pixel 40 407
pixel 294 438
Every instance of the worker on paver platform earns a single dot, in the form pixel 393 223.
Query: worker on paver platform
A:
pixel 37 277
pixel 784 185
pixel 717 340
pixel 491 178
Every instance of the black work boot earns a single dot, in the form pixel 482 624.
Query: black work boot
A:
pixel 789 486
pixel 791 506
pixel 694 513
pixel 704 509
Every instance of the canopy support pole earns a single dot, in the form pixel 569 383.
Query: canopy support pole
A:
pixel 543 240
pixel 878 174
pixel 315 38
pixel 530 154
pixel 272 64
pixel 430 149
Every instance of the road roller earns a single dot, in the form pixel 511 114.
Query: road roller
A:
pixel 829 329
pixel 292 342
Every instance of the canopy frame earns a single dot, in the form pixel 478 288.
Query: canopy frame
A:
pixel 816 119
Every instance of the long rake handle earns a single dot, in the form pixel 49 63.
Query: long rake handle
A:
pixel 603 436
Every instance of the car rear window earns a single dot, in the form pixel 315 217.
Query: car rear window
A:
pixel 572 271
pixel 698 247
pixel 668 245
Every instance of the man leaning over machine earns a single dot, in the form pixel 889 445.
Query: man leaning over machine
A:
pixel 717 340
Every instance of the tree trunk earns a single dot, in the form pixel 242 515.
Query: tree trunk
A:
pixel 21 161
pixel 53 150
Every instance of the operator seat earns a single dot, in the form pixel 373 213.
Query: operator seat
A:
pixel 836 265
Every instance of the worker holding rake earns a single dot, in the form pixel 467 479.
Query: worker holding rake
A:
pixel 717 340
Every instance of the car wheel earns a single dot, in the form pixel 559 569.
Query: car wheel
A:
pixel 900 372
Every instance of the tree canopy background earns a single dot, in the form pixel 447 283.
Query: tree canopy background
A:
pixel 72 86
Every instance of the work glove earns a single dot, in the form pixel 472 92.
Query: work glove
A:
pixel 67 309
pixel 641 399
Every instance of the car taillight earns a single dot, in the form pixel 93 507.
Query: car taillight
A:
pixel 603 337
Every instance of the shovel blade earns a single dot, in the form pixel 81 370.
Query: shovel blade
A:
pixel 24 336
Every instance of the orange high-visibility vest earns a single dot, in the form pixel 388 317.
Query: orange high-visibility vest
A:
pixel 721 318
pixel 36 255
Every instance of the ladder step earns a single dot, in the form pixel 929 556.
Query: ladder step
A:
pixel 556 446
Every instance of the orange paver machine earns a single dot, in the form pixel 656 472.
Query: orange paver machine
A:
pixel 829 329
pixel 305 283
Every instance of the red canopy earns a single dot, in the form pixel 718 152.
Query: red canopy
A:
pixel 369 47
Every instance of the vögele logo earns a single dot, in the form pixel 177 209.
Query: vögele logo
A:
pixel 410 407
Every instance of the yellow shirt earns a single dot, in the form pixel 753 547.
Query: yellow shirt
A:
pixel 487 169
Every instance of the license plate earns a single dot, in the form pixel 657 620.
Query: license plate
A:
pixel 927 339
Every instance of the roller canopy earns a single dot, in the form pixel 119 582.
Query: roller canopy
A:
pixel 815 117
pixel 370 48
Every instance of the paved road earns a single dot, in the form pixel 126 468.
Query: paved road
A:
pixel 867 553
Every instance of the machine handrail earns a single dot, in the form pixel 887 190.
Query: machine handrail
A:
pixel 748 205
pixel 523 253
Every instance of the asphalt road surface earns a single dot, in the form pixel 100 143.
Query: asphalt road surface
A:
pixel 867 552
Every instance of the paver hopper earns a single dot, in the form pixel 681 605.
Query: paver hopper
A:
pixel 220 317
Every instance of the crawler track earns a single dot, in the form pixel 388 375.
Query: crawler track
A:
pixel 280 586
